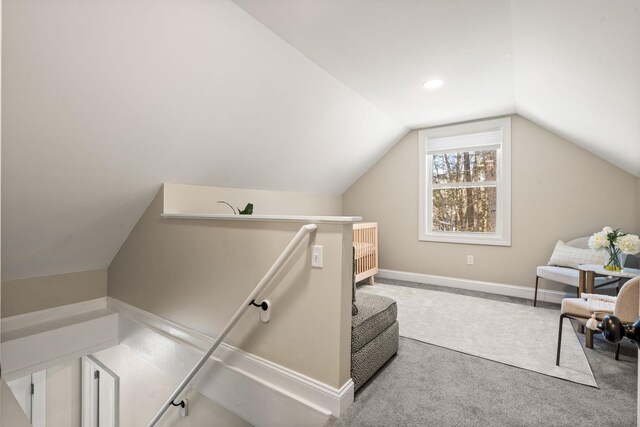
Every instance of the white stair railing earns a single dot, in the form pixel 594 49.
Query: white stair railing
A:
pixel 302 233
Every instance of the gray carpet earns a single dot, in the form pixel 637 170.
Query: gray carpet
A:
pixel 489 330
pixel 425 385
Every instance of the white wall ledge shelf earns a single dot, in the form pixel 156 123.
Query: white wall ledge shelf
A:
pixel 280 218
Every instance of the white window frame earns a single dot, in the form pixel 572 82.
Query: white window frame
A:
pixel 502 235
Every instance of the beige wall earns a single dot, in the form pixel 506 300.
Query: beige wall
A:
pixel 181 198
pixel 64 395
pixel 11 413
pixel 559 191
pixel 144 388
pixel 39 293
pixel 198 272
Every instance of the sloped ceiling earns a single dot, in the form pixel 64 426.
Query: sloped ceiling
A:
pixel 573 66
pixel 104 100
pixel 385 50
pixel 577 72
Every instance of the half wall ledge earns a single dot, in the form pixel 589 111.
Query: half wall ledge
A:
pixel 279 218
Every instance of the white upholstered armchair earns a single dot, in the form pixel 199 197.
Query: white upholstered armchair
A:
pixel 562 267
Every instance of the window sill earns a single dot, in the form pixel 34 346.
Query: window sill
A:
pixel 467 239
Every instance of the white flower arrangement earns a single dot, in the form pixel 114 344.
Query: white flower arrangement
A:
pixel 615 242
pixel 599 240
pixel 629 244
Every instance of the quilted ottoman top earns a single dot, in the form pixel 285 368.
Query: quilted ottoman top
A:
pixel 375 314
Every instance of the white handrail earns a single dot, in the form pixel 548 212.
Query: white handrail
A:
pixel 304 230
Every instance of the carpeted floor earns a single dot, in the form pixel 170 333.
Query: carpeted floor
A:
pixel 425 385
pixel 513 334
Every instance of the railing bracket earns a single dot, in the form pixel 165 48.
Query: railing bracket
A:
pixel 184 407
pixel 263 305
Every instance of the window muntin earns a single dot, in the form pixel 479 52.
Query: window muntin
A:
pixel 465 183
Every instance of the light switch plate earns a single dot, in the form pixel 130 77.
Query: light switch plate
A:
pixel 316 256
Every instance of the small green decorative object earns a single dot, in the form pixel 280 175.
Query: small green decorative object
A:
pixel 248 210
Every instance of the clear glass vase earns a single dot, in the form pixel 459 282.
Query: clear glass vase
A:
pixel 614 263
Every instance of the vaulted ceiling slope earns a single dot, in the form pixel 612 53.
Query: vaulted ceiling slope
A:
pixel 573 66
pixel 104 100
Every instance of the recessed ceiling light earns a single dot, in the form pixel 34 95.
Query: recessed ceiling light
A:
pixel 433 84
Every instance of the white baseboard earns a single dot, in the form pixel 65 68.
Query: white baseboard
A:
pixel 260 391
pixel 475 285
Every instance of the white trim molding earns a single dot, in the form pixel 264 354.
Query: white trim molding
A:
pixel 13 323
pixel 475 285
pixel 46 338
pixel 278 218
pixel 262 392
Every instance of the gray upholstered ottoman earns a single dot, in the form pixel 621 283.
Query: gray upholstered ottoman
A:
pixel 374 335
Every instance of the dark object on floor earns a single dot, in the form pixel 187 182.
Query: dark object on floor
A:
pixel 613 330
pixel 374 335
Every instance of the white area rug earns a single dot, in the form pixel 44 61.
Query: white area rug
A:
pixel 514 334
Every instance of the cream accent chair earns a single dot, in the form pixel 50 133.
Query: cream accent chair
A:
pixel 624 307
pixel 568 275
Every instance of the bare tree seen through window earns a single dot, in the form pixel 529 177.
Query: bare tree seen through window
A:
pixel 464 191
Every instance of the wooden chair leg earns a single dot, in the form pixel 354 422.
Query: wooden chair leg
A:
pixel 588 338
pixel 618 352
pixel 535 295
pixel 559 340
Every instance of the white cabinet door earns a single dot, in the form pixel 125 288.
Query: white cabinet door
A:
pixel 100 397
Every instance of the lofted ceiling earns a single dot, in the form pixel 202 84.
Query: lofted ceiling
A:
pixel 385 50
pixel 572 66
pixel 103 100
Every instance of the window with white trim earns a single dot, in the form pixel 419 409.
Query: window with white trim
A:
pixel 465 183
